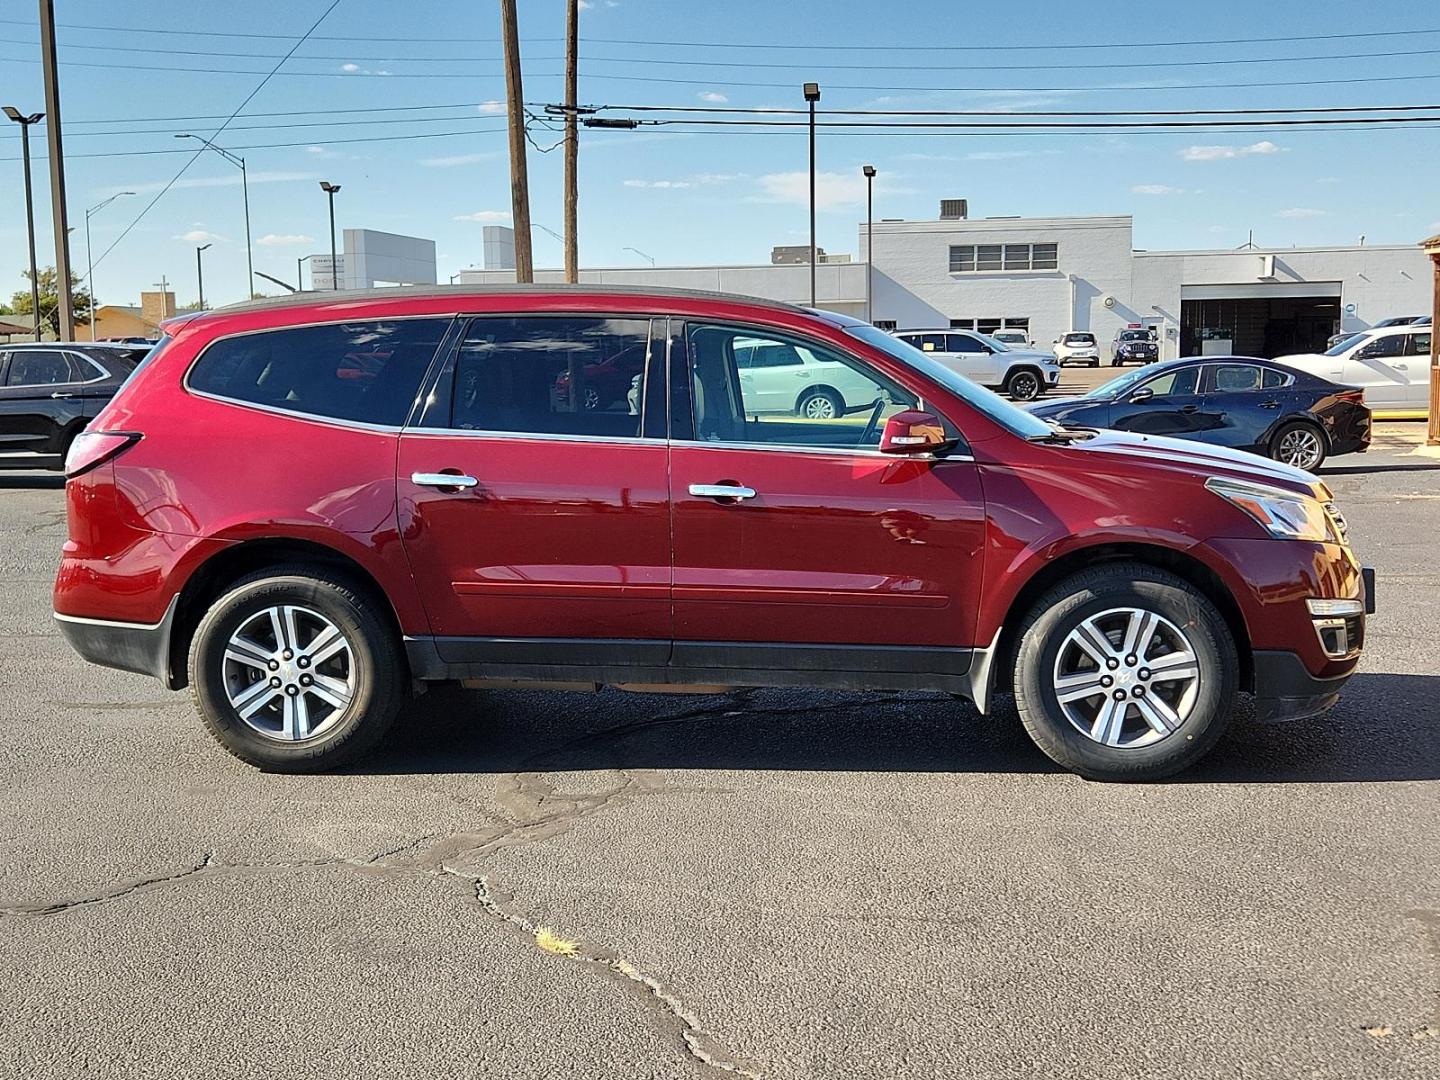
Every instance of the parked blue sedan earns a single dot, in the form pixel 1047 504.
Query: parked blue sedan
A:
pixel 1233 401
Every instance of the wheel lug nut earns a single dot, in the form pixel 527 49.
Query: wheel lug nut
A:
pixel 1144 673
pixel 288 654
pixel 274 665
pixel 306 680
pixel 1106 680
pixel 1112 663
pixel 303 662
pixel 292 689
pixel 275 681
pixel 1132 660
pixel 1119 695
pixel 1139 691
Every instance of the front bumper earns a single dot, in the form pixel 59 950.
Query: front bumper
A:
pixel 143 648
pixel 1285 689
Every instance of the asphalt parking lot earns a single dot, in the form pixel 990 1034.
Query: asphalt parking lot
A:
pixel 776 884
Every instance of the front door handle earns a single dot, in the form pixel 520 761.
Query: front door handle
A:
pixel 722 491
pixel 443 480
pixel 58 394
pixel 1190 408
pixel 1269 405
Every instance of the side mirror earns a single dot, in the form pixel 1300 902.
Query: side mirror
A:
pixel 1143 394
pixel 913 432
pixel 1055 342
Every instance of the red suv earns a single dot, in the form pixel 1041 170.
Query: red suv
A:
pixel 302 508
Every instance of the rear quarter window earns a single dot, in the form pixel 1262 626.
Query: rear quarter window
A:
pixel 367 371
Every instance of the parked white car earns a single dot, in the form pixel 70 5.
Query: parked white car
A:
pixel 1016 339
pixel 1077 347
pixel 778 377
pixel 1024 374
pixel 1391 364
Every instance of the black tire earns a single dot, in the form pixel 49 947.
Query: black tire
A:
pixel 1145 588
pixel 379 673
pixel 837 403
pixel 1094 363
pixel 1307 434
pixel 1024 384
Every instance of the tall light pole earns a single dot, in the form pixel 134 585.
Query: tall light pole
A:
pixel 330 190
pixel 869 171
pixel 300 276
pixel 239 162
pixel 642 254
pixel 812 95
pixel 64 308
pixel 89 264
pixel 25 122
pixel 200 274
pixel 572 142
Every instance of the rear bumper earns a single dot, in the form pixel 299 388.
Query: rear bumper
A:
pixel 139 647
pixel 1289 691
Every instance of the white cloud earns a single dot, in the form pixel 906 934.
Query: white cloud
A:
pixel 486 216
pixel 659 184
pixel 713 97
pixel 1296 212
pixel 490 108
pixel 698 180
pixel 356 69
pixel 227 180
pixel 350 67
pixel 1220 153
pixel 1157 189
pixel 460 159
pixel 833 190
pixel 199 236
pixel 998 155
pixel 284 239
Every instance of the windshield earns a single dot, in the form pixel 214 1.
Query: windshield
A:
pixel 1134 335
pixel 1349 343
pixel 1121 383
pixel 1011 417
pixel 1079 339
pixel 994 343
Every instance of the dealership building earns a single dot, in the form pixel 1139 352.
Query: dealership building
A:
pixel 1048 276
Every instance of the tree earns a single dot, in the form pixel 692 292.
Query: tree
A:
pixel 50 300
pixel 6 309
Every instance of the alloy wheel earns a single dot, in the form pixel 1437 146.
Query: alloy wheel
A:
pixel 289 673
pixel 819 407
pixel 1300 447
pixel 1126 677
pixel 1024 387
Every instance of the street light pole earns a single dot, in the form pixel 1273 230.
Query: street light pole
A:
pixel 812 95
pixel 299 273
pixel 869 171
pixel 239 162
pixel 330 190
pixel 89 264
pixel 642 254
pixel 200 275
pixel 25 122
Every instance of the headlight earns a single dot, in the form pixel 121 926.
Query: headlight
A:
pixel 1285 515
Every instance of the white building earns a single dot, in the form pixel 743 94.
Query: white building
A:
pixel 1051 275
pixel 370 258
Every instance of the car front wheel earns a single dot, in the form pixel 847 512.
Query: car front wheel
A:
pixel 1299 444
pixel 296 670
pixel 1023 385
pixel 1125 672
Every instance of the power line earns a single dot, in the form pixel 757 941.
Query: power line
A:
pixel 998 112
pixel 1118 125
pixel 205 144
pixel 868 47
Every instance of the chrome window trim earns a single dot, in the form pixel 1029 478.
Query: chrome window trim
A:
pixel 538 436
pixel 784 448
pixel 63 352
pixel 328 421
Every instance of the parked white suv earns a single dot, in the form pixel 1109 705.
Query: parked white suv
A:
pixel 1077 347
pixel 1391 364
pixel 778 377
pixel 1024 374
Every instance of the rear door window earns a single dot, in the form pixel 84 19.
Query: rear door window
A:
pixel 1270 378
pixel 556 375
pixel 1419 344
pixel 1229 378
pixel 39 367
pixel 368 371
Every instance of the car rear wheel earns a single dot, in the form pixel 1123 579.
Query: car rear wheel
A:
pixel 296 670
pixel 1299 444
pixel 820 405
pixel 1125 672
pixel 1023 385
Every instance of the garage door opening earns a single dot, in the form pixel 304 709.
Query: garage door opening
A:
pixel 1257 326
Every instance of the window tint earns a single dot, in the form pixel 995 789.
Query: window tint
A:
pixel 363 371
pixel 39 367
pixel 1232 377
pixel 1387 345
pixel 1419 345
pixel 1270 378
pixel 839 402
pixel 1079 339
pixel 759 354
pixel 567 375
pixel 1174 383
pixel 963 343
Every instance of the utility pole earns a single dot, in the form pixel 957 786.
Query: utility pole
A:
pixel 572 141
pixel 57 171
pixel 519 177
pixel 869 171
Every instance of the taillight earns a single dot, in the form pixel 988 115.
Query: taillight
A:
pixel 1357 396
pixel 92 448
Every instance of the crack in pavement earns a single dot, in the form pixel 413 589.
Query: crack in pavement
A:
pixel 684 1024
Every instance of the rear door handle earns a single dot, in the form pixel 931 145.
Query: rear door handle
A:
pixel 722 491
pixel 1189 408
pixel 1269 405
pixel 443 480
pixel 60 394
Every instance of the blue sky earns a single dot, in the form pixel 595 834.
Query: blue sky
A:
pixel 703 196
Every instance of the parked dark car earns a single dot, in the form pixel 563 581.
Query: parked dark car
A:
pixel 49 392
pixel 1233 401
pixel 1133 346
